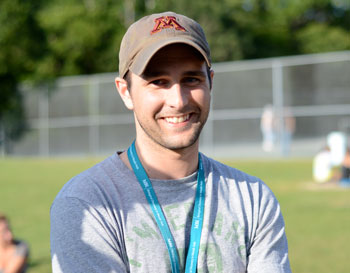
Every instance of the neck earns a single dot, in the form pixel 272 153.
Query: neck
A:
pixel 162 163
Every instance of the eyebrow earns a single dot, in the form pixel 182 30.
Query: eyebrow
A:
pixel 198 73
pixel 155 74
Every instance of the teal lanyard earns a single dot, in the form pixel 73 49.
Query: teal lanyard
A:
pixel 197 219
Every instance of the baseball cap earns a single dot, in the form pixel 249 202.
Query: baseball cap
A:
pixel 151 33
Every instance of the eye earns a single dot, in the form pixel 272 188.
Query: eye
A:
pixel 159 82
pixel 191 80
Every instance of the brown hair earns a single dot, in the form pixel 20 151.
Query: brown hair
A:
pixel 3 217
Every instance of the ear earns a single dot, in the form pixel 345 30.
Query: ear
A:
pixel 124 93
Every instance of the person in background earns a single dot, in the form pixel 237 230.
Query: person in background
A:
pixel 345 170
pixel 13 253
pixel 322 169
pixel 268 128
pixel 288 130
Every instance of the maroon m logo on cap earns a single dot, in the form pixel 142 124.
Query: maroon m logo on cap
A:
pixel 166 22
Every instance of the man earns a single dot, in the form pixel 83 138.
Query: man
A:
pixel 161 206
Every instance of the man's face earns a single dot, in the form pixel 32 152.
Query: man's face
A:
pixel 171 100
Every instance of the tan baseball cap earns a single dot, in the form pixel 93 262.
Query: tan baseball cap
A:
pixel 151 33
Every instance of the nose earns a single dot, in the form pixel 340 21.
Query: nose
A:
pixel 177 97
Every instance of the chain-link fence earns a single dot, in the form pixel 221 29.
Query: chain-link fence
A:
pixel 308 97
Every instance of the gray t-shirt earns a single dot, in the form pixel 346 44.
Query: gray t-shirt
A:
pixel 101 222
pixel 22 250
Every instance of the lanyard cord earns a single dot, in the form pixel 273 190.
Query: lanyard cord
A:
pixel 197 219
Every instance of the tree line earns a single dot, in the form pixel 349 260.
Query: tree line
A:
pixel 41 40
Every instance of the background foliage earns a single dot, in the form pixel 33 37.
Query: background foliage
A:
pixel 41 40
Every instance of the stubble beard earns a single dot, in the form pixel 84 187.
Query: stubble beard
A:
pixel 174 145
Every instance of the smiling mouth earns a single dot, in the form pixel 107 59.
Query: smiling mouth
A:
pixel 179 119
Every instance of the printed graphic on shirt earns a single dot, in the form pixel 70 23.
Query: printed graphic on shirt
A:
pixel 173 215
pixel 223 231
pixel 235 234
pixel 213 259
pixel 145 231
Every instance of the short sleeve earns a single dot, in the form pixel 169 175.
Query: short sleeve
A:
pixel 83 240
pixel 22 249
pixel 269 250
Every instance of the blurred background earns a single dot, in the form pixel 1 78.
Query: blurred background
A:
pixel 44 111
pixel 281 87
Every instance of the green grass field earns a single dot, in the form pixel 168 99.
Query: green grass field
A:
pixel 317 217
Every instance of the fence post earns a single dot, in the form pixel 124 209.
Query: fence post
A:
pixel 94 87
pixel 44 149
pixel 278 105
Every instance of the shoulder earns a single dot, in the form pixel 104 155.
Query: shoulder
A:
pixel 22 248
pixel 220 169
pixel 236 180
pixel 93 183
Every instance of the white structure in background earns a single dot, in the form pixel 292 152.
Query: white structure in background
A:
pixel 322 166
pixel 337 144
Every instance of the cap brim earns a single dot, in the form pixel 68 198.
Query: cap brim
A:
pixel 145 55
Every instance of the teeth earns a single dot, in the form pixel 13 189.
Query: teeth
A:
pixel 178 119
